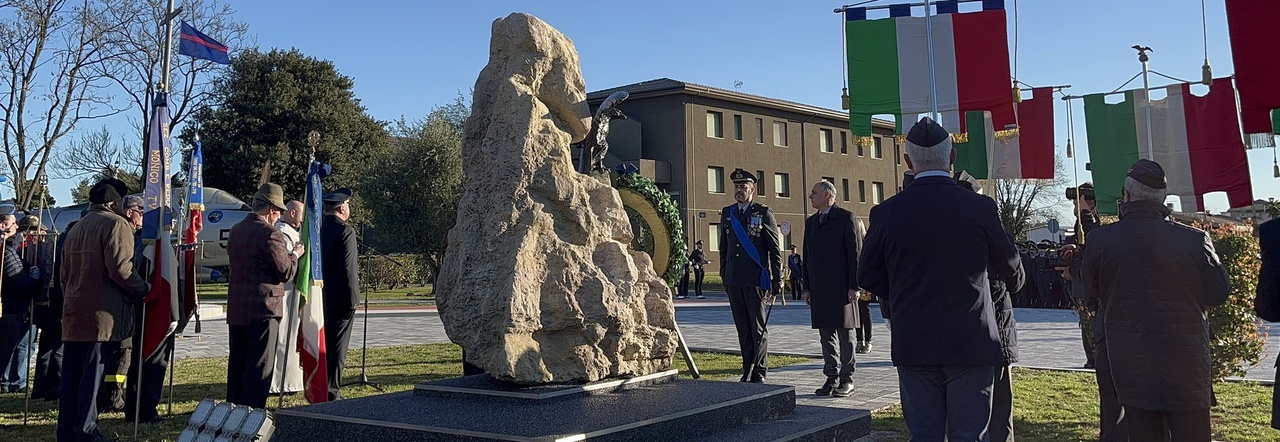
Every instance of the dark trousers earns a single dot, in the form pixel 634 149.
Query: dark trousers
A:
pixel 946 402
pixel 796 290
pixel 15 350
pixel 251 361
pixel 1001 426
pixel 48 381
pixel 682 289
pixel 698 275
pixel 337 337
pixel 748 307
pixel 1275 399
pixel 864 321
pixel 1112 417
pixel 114 377
pixel 151 380
pixel 82 368
pixel 837 365
pixel 1178 426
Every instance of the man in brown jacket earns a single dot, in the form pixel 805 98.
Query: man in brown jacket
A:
pixel 261 263
pixel 100 288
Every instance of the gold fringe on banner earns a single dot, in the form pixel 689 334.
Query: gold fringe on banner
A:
pixel 1002 135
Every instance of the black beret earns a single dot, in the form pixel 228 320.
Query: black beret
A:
pixel 741 176
pixel 1149 173
pixel 927 133
pixel 107 191
pixel 338 196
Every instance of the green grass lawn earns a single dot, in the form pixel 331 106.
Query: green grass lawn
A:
pixel 413 295
pixel 393 368
pixel 1061 406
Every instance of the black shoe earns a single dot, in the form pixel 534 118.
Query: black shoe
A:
pixel 757 380
pixel 1088 365
pixel 844 390
pixel 826 388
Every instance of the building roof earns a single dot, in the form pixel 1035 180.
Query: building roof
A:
pixel 667 86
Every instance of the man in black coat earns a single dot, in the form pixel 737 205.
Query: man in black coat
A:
pixel 698 262
pixel 795 272
pixel 339 251
pixel 1267 303
pixel 933 277
pixel 751 266
pixel 1156 279
pixel 831 285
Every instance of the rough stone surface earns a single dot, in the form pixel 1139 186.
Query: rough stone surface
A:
pixel 539 283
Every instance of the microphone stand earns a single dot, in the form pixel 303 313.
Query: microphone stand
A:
pixel 364 338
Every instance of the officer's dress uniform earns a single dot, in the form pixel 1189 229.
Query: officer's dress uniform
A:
pixel 743 277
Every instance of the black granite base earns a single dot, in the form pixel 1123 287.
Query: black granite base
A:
pixel 641 411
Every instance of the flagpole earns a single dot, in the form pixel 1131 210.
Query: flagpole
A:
pixel 933 82
pixel 1146 89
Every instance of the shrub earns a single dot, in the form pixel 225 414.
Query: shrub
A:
pixel 393 271
pixel 1236 338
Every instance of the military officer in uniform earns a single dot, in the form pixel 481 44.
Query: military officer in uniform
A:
pixel 750 265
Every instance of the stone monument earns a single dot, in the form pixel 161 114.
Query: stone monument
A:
pixel 539 283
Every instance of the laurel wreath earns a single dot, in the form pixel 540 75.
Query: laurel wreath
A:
pixel 645 200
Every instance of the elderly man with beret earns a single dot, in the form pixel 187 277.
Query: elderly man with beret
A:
pixel 261 262
pixel 100 288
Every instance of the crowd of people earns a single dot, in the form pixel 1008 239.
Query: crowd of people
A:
pixel 84 289
pixel 947 291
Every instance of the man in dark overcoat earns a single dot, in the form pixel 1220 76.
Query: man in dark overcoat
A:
pixel 928 256
pixel 1267 302
pixel 831 285
pixel 1156 279
pixel 751 267
pixel 339 255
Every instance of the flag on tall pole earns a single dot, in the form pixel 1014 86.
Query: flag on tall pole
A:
pixel 889 67
pixel 160 302
pixel 195 222
pixel 195 44
pixel 309 282
pixel 1196 140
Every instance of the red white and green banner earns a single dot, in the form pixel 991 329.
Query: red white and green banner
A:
pixel 1250 23
pixel 1024 153
pixel 1196 140
pixel 889 68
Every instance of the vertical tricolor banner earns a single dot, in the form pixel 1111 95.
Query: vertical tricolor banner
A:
pixel 309 283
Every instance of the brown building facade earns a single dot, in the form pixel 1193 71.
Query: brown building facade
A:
pixel 689 138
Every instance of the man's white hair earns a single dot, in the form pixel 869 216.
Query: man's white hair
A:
pixel 827 186
pixel 936 157
pixel 1141 192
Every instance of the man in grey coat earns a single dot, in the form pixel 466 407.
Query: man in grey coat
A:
pixel 1156 279
pixel 831 285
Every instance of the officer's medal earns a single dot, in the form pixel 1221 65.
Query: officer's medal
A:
pixel 754 226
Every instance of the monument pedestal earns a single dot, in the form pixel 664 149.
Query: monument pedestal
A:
pixel 648 408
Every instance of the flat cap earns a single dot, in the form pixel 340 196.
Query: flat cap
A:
pixel 1149 173
pixel 741 176
pixel 926 133
pixel 107 191
pixel 338 196
pixel 132 201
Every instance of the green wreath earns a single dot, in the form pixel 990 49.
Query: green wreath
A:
pixel 660 232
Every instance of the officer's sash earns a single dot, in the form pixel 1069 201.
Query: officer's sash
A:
pixel 751 249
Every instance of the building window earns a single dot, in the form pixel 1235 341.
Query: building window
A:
pixel 862 191
pixel 829 180
pixel 897 153
pixel 759 130
pixel 860 148
pixel 759 183
pixel 877 151
pixel 713 238
pixel 825 141
pixel 877 192
pixel 737 127
pixel 715 124
pixel 844 185
pixel 715 179
pixel 780 133
pixel 844 143
pixel 782 185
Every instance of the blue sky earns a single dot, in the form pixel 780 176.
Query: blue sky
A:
pixel 409 56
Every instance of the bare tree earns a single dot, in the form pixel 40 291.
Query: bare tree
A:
pixel 51 79
pixel 95 153
pixel 141 44
pixel 1024 203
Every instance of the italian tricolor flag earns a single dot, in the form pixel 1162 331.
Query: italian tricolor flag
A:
pixel 310 283
pixel 889 65
pixel 1196 140
pixel 1024 153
